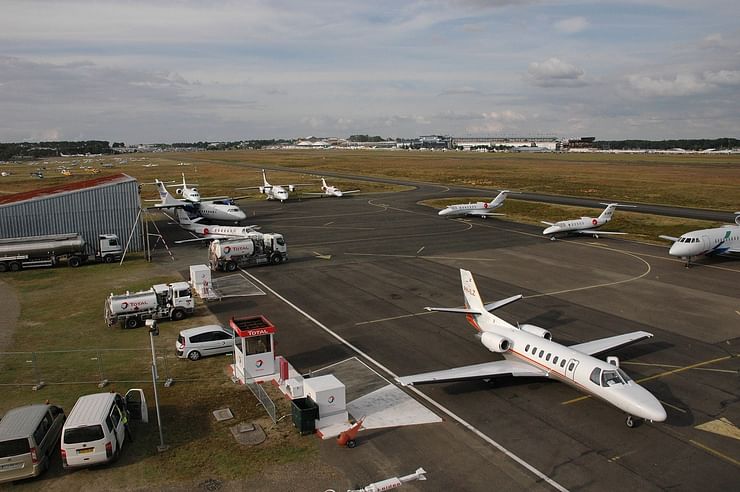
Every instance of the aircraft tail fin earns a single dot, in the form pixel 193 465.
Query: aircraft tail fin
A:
pixel 473 300
pixel 606 215
pixel 164 195
pixel 323 183
pixel 183 218
pixel 264 179
pixel 500 198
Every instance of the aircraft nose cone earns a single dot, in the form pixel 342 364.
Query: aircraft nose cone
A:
pixel 338 193
pixel 240 215
pixel 444 211
pixel 549 230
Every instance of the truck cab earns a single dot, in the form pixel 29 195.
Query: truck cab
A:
pixel 109 248
pixel 177 296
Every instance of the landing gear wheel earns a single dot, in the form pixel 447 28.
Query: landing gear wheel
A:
pixel 632 422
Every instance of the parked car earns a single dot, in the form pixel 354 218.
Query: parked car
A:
pixel 195 343
pixel 28 437
pixel 95 429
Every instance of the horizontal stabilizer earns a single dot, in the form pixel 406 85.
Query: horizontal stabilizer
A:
pixel 669 238
pixel 602 345
pixel 477 371
pixel 503 302
pixel 453 310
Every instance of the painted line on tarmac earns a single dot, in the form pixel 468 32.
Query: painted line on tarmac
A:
pixel 660 375
pixel 418 393
pixel 422 257
pixel 672 366
pixel 715 452
pixel 381 320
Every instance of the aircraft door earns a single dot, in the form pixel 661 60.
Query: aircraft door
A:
pixel 570 369
pixel 706 243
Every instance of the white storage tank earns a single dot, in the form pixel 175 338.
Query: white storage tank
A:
pixel 329 394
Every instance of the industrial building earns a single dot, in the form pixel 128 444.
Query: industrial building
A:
pixel 103 205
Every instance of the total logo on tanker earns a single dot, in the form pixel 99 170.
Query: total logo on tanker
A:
pixel 134 304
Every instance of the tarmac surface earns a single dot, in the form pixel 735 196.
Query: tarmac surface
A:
pixel 362 268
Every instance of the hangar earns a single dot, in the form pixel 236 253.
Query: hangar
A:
pixel 103 205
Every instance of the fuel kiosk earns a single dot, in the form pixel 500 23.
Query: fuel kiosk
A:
pixel 254 348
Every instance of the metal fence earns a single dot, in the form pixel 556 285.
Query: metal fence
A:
pixel 98 366
pixel 261 395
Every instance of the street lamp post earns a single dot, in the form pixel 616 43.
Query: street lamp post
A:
pixel 153 332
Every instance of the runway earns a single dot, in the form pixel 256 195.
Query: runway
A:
pixel 366 266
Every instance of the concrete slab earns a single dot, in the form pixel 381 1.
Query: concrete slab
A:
pixel 390 407
pixel 235 285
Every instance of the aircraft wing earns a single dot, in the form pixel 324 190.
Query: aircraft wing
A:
pixel 669 238
pixel 596 232
pixel 548 223
pixel 602 345
pixel 350 191
pixel 477 371
pixel 481 213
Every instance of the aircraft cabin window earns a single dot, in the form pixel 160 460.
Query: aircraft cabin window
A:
pixel 541 352
pixel 571 366
pixel 624 375
pixel 555 360
pixel 534 350
pixel 562 363
pixel 596 376
pixel 526 349
pixel 548 357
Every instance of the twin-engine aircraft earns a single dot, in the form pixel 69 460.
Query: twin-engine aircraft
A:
pixel 327 190
pixel 208 232
pixel 584 225
pixel 529 351
pixel 477 209
pixel 224 210
pixel 273 192
pixel 716 241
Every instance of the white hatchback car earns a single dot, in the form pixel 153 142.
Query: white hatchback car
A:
pixel 195 343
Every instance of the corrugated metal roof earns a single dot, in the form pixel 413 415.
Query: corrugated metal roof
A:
pixel 65 188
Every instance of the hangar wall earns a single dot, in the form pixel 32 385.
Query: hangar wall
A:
pixel 105 208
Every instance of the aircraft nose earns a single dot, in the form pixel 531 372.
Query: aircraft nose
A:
pixel 680 249
pixel 549 230
pixel 645 405
pixel 444 211
pixel 240 215
pixel 338 193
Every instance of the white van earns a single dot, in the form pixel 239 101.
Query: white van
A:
pixel 195 343
pixel 94 431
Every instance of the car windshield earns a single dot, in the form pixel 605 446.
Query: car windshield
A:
pixel 14 447
pixel 611 378
pixel 83 434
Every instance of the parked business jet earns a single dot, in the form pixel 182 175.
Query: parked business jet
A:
pixel 208 232
pixel 715 241
pixel 221 210
pixel 477 209
pixel 529 351
pixel 327 190
pixel 584 225
pixel 273 192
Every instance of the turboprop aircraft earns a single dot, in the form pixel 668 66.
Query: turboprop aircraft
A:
pixel 584 225
pixel 327 190
pixel 273 192
pixel 715 241
pixel 477 209
pixel 222 210
pixel 208 232
pixel 529 351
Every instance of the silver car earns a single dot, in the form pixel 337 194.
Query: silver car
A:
pixel 195 343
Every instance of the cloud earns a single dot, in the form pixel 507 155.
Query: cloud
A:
pixel 462 90
pixel 554 72
pixel 683 84
pixel 497 122
pixel 713 40
pixel 723 77
pixel 572 25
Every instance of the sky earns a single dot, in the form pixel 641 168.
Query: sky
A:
pixel 221 70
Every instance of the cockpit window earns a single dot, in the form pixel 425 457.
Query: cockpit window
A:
pixel 610 378
pixel 624 375
pixel 596 376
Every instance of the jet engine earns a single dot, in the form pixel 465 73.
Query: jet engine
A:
pixel 495 343
pixel 737 218
pixel 536 330
pixel 291 188
pixel 179 191
pixel 262 189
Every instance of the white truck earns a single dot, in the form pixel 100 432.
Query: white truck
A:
pixel 173 301
pixel 256 249
pixel 17 253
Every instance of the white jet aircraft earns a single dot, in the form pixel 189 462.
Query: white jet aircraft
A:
pixel 273 192
pixel 222 210
pixel 584 225
pixel 715 241
pixel 327 190
pixel 477 209
pixel 529 351
pixel 208 232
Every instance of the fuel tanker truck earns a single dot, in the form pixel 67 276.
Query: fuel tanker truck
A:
pixel 255 249
pixel 173 301
pixel 43 251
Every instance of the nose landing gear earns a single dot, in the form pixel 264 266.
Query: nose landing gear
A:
pixel 632 422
